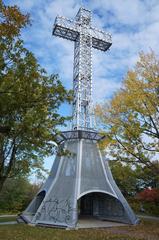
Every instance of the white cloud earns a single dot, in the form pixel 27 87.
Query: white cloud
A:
pixel 26 5
pixel 105 87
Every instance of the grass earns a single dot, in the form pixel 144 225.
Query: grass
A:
pixel 7 219
pixel 147 230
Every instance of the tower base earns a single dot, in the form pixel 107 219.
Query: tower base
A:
pixel 80 184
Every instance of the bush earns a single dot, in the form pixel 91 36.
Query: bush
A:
pixel 16 195
pixel 149 195
pixel 145 205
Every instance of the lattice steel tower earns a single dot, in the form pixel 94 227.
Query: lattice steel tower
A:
pixel 85 38
pixel 80 184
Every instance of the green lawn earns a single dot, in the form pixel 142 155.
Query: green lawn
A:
pixel 7 219
pixel 147 230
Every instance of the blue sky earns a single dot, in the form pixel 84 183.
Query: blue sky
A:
pixel 133 24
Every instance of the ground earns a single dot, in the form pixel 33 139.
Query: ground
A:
pixel 146 230
pixel 7 219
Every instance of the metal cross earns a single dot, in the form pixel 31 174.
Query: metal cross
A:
pixel 85 37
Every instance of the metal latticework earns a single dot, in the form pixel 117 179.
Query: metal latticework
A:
pixel 85 37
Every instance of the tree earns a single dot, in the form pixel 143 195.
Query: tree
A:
pixel 146 178
pixel 29 101
pixel 149 195
pixel 16 194
pixel 125 178
pixel 131 118
pixel 133 180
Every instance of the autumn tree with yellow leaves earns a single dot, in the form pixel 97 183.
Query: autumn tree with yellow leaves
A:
pixel 131 119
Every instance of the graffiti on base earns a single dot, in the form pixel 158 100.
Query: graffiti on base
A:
pixel 58 211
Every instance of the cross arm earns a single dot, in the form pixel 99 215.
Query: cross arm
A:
pixel 100 40
pixel 65 28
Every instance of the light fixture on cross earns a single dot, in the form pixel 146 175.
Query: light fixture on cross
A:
pixel 85 37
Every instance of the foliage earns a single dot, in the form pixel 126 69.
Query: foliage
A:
pixel 133 180
pixel 135 184
pixel 143 207
pixel 150 208
pixel 149 195
pixel 16 195
pixel 29 101
pixel 145 178
pixel 125 178
pixel 131 118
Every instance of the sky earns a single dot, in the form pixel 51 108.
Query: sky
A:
pixel 133 24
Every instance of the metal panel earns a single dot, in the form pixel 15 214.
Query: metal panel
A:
pixel 92 173
pixel 58 208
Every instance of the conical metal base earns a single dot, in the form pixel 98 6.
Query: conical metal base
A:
pixel 80 183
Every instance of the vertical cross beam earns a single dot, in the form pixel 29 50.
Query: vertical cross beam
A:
pixel 82 75
pixel 85 37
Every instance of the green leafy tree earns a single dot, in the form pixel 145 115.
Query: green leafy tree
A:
pixel 125 178
pixel 16 194
pixel 146 178
pixel 131 118
pixel 29 101
pixel 133 180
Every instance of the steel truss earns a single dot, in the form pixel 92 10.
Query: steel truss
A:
pixel 85 37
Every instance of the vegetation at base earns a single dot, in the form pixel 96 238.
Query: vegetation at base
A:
pixel 7 219
pixel 138 185
pixel 16 195
pixel 143 207
pixel 147 230
pixel 29 101
pixel 133 180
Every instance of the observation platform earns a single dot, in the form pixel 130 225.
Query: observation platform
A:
pixel 79 134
